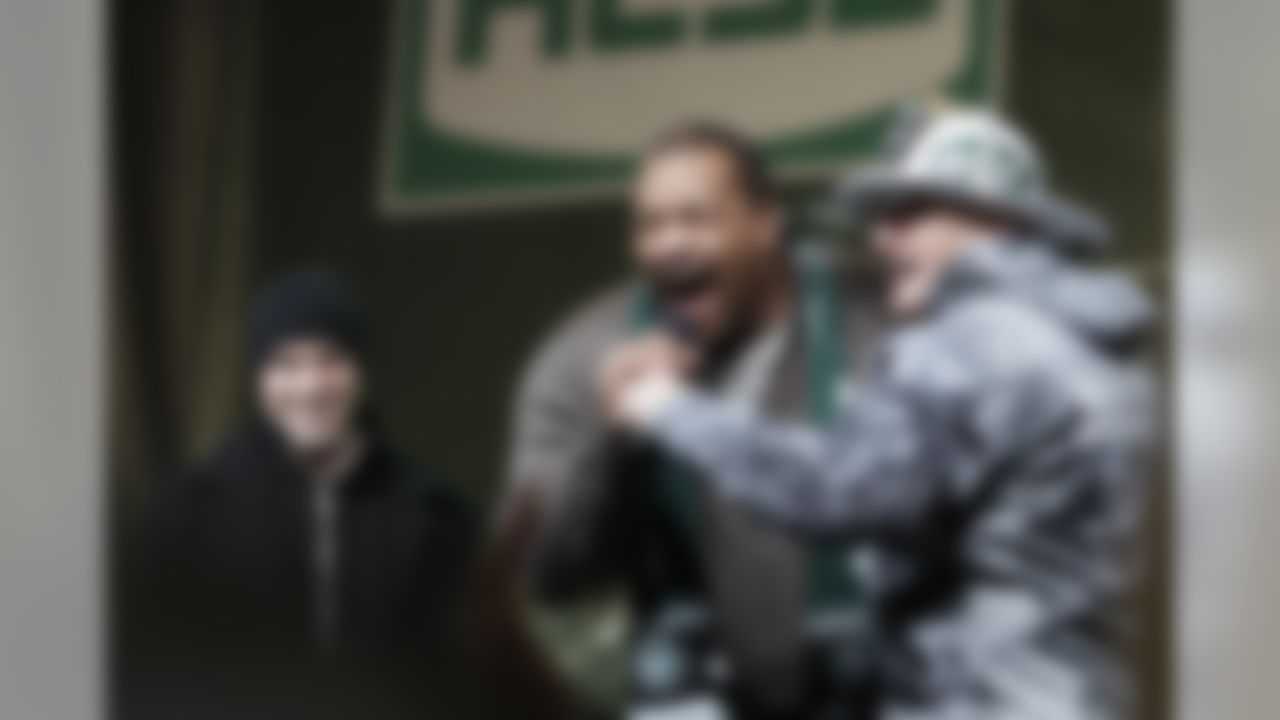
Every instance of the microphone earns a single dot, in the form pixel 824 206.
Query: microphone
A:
pixel 677 327
pixel 680 328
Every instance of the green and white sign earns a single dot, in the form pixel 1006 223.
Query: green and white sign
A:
pixel 500 102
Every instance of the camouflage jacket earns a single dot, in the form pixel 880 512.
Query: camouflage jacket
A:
pixel 992 467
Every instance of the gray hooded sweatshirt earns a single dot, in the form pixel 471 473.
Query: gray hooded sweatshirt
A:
pixel 992 470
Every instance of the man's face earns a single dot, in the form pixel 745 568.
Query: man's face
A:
pixel 917 245
pixel 701 241
pixel 309 389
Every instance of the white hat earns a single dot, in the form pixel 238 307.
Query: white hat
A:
pixel 974 159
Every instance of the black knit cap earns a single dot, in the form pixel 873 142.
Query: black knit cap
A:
pixel 310 303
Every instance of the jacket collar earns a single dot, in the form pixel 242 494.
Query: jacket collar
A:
pixel 365 474
pixel 1106 308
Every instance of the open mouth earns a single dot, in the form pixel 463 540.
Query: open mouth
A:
pixel 687 291
pixel 685 284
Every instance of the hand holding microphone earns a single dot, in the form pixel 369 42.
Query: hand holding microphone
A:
pixel 639 379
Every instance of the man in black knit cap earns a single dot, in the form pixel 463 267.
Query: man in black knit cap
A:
pixel 305 569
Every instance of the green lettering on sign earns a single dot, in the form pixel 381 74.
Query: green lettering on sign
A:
pixel 478 15
pixel 612 28
pixel 457 139
pixel 852 13
pixel 779 17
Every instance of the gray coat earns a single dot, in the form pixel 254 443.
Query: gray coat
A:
pixel 993 470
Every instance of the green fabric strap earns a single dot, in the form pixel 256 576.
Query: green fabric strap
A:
pixel 832 586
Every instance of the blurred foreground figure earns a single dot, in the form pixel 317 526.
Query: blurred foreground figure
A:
pixel 730 617
pixel 305 569
pixel 993 465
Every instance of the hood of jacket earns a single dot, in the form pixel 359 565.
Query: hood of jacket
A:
pixel 1105 307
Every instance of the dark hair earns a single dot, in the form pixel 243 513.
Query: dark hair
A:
pixel 753 173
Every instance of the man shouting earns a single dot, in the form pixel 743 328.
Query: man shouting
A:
pixel 731 614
